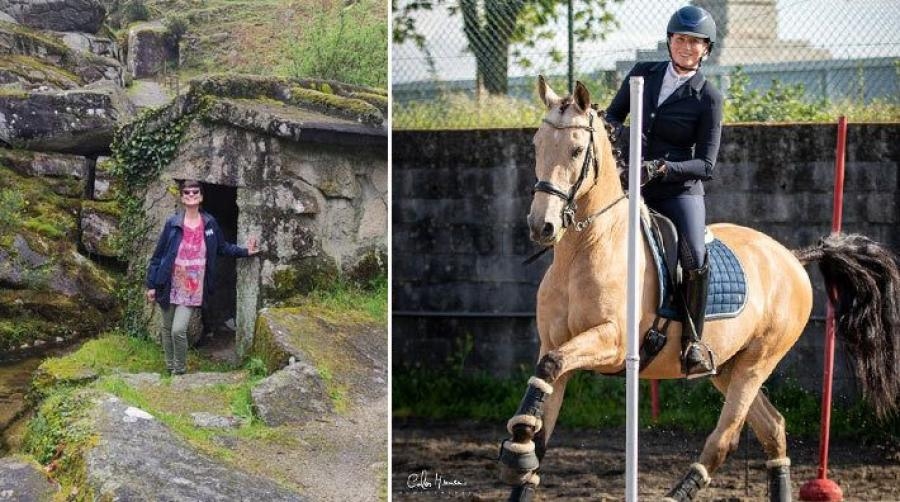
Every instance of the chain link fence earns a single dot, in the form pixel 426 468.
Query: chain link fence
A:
pixel 473 63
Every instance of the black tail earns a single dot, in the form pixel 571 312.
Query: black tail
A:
pixel 867 278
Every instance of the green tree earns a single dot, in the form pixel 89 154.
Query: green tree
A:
pixel 492 27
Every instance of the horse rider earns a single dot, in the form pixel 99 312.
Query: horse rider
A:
pixel 682 125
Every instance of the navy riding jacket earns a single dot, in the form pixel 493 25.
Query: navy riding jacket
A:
pixel 684 130
pixel 159 271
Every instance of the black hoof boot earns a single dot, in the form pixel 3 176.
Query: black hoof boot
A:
pixel 523 493
pixel 692 482
pixel 779 479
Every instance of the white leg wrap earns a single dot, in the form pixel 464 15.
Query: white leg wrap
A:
pixel 512 477
pixel 702 470
pixel 541 385
pixel 529 420
pixel 778 462
pixel 518 448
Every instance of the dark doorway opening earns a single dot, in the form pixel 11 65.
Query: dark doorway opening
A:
pixel 218 316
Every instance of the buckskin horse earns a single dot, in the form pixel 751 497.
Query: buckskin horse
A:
pixel 577 208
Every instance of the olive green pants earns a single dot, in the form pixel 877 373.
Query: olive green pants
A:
pixel 174 336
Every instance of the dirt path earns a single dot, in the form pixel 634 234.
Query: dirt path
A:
pixel 589 465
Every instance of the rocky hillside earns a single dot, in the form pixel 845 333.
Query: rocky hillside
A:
pixel 72 72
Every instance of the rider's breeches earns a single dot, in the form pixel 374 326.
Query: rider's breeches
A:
pixel 688 213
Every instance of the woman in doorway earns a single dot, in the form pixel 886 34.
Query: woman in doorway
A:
pixel 681 129
pixel 181 272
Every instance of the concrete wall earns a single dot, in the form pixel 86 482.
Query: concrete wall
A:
pixel 459 234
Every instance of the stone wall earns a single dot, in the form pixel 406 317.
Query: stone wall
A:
pixel 459 233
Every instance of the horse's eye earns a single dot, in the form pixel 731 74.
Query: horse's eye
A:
pixel 577 151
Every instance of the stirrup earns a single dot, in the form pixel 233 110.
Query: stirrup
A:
pixel 699 370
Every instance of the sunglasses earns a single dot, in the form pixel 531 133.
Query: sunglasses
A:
pixel 191 191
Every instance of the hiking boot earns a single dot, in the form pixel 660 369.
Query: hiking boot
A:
pixel 696 358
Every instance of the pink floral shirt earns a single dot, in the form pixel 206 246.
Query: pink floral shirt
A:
pixel 190 267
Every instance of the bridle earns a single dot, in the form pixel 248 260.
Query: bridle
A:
pixel 568 210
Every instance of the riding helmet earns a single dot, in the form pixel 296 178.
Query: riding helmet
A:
pixel 693 21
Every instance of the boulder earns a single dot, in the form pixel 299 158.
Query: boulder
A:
pixel 293 395
pixel 105 184
pixel 85 42
pixel 99 226
pixel 63 174
pixel 147 49
pixel 22 479
pixel 70 122
pixel 58 15
pixel 348 355
pixel 28 52
pixel 133 460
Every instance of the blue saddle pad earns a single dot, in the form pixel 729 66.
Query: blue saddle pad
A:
pixel 727 282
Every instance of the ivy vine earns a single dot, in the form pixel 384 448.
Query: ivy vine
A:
pixel 140 151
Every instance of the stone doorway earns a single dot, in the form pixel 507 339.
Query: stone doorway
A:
pixel 219 315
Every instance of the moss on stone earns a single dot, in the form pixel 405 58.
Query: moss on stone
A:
pixel 59 437
pixel 110 208
pixel 370 267
pixel 348 107
pixel 23 66
pixel 330 343
pixel 377 100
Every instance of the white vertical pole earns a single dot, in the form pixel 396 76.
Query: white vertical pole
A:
pixel 632 357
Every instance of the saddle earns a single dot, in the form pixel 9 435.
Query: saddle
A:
pixel 727 284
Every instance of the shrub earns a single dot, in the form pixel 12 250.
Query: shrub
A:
pixel 779 103
pixel 345 44
pixel 136 10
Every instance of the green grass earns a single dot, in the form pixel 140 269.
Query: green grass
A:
pixel 594 401
pixel 113 352
pixel 345 300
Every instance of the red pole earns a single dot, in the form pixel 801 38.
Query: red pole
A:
pixel 822 488
pixel 654 399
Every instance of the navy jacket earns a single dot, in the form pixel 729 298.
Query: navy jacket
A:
pixel 684 130
pixel 159 272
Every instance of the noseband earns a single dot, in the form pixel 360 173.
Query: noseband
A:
pixel 568 211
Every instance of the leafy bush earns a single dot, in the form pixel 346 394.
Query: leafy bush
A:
pixel 345 44
pixel 780 103
pixel 136 10
pixel 176 26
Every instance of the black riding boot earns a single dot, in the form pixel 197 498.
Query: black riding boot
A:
pixel 696 358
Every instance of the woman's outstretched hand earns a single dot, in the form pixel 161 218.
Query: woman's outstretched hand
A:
pixel 252 249
pixel 151 295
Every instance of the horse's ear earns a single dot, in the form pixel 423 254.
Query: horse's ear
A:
pixel 582 97
pixel 546 93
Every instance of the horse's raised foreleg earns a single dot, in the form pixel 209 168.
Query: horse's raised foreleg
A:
pixel 537 413
pixel 769 427
pixel 530 425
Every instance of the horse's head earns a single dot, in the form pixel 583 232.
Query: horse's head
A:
pixel 566 161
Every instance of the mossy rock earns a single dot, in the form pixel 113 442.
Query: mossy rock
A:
pixel 60 436
pixel 330 103
pixel 342 348
pixel 58 372
pixel 371 266
pixel 303 276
